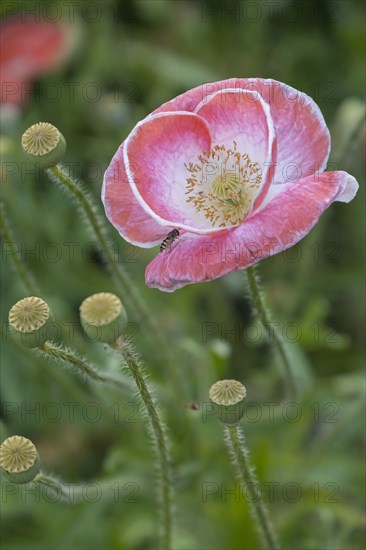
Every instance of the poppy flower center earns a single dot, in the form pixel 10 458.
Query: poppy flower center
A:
pixel 222 185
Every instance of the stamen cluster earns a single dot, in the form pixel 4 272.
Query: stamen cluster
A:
pixel 223 184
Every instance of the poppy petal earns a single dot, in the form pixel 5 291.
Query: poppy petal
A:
pixel 280 224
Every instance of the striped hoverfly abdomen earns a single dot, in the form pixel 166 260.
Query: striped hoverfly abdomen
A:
pixel 169 239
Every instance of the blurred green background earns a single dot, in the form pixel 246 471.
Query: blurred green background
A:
pixel 139 54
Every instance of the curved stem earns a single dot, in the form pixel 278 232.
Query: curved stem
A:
pixel 125 286
pixel 69 493
pixel 14 256
pixel 89 209
pixel 72 493
pixel 157 432
pixel 273 334
pixel 51 351
pixel 235 442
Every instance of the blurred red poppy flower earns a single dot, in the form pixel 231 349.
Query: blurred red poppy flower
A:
pixel 29 49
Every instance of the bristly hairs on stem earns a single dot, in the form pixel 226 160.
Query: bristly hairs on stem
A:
pixel 239 454
pixel 79 364
pixel 20 464
pixel 274 335
pixel 91 216
pixel 131 362
pixel 67 493
pixel 90 213
pixel 56 490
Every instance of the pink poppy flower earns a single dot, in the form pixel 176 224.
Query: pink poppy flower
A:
pixel 30 48
pixel 234 167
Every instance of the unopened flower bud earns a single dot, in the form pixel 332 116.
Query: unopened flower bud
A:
pixel 19 459
pixel 228 396
pixel 28 320
pixel 103 317
pixel 43 144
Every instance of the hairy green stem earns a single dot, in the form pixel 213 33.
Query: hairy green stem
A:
pixel 272 331
pixel 157 432
pixel 51 351
pixel 123 282
pixel 14 256
pixel 65 382
pixel 69 493
pixel 235 441
pixel 73 493
pixel 89 209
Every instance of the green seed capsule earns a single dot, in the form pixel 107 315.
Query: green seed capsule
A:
pixel 228 399
pixel 103 317
pixel 43 144
pixel 29 320
pixel 19 459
